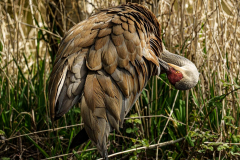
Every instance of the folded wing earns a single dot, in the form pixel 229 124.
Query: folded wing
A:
pixel 104 62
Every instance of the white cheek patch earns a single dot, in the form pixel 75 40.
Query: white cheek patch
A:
pixel 177 68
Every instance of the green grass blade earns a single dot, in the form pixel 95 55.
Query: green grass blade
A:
pixel 40 149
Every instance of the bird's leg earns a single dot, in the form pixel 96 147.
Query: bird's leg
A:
pixel 105 155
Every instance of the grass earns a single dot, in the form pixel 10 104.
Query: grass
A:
pixel 201 123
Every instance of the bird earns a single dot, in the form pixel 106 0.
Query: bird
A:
pixel 104 63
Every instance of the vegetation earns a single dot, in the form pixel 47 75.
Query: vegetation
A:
pixel 202 123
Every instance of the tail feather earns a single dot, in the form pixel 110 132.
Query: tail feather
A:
pixel 79 139
pixel 100 108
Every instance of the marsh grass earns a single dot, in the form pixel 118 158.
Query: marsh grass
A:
pixel 201 123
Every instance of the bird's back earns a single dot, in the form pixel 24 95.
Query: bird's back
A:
pixel 104 62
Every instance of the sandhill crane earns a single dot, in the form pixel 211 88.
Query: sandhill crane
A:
pixel 104 63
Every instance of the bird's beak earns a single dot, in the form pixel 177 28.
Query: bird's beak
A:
pixel 164 65
pixel 175 67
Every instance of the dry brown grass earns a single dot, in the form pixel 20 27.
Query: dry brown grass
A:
pixel 208 33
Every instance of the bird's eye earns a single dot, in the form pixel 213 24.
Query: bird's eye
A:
pixel 177 72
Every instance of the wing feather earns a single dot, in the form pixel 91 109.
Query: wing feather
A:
pixel 105 62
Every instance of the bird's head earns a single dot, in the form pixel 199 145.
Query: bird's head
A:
pixel 181 72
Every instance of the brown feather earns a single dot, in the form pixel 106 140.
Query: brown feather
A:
pixel 117 29
pixel 131 28
pixel 135 39
pixel 104 81
pixel 116 20
pixel 90 122
pixel 68 50
pixel 80 62
pixel 113 107
pixel 93 93
pixel 117 40
pixel 69 91
pixel 101 42
pixel 125 26
pixel 113 122
pixel 132 18
pixel 102 127
pixel 100 112
pixel 109 54
pixel 128 35
pixel 94 61
pixel 107 25
pixel 110 68
pixel 123 62
pixel 139 52
pixel 137 24
pixel 123 18
pixel 132 56
pixel 120 77
pixel 98 25
pixel 130 22
pixel 104 32
pixel 122 51
pixel 141 34
pixel 130 46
